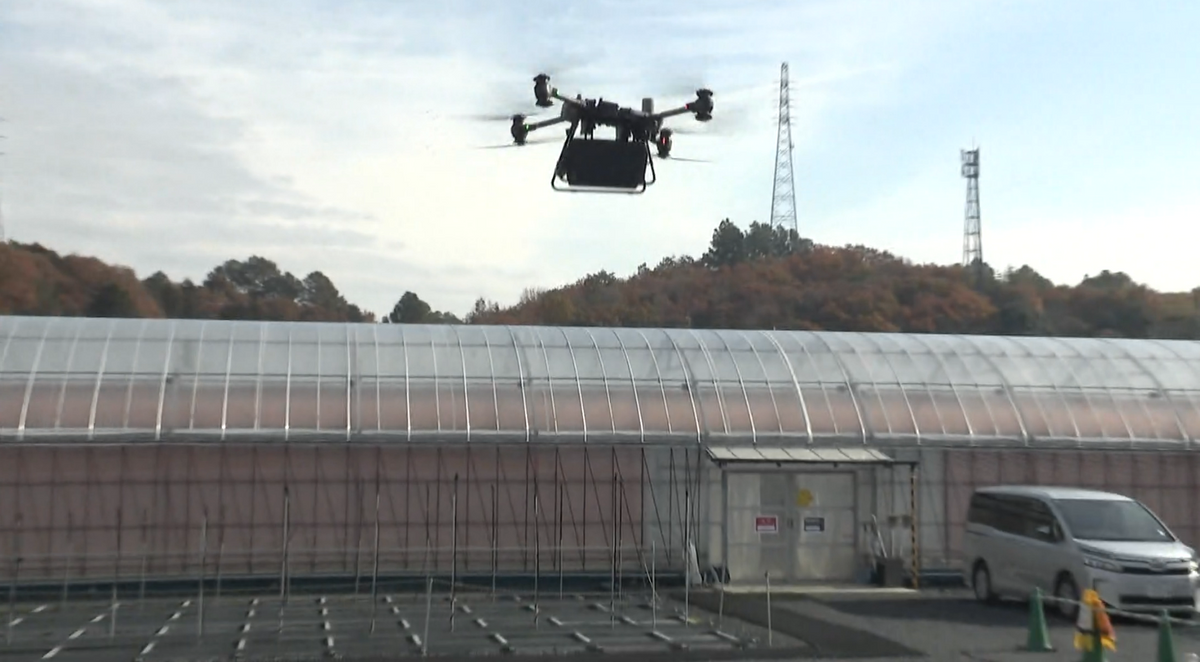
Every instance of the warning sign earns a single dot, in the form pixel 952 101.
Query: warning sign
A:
pixel 766 524
pixel 804 498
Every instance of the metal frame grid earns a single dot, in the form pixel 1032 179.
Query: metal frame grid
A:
pixel 134 513
pixel 75 379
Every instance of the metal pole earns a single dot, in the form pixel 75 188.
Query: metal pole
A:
pixel 375 565
pixel 537 553
pixel 142 570
pixel 914 505
pixel 687 558
pixel 428 609
pixel 358 492
pixel 721 607
pixel 454 546
pixel 770 630
pixel 620 533
pixel 612 578
pixel 203 564
pixel 67 564
pixel 495 532
pixel 12 587
pixel 283 560
pixel 654 583
pixel 112 621
pixel 560 543
pixel 284 580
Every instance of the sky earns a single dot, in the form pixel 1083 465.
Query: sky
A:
pixel 338 135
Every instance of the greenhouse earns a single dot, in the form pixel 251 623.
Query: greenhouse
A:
pixel 490 449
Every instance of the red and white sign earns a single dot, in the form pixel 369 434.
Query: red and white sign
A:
pixel 766 524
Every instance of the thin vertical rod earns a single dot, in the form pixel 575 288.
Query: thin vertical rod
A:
pixel 428 609
pixel 687 557
pixel 12 587
pixel 144 552
pixel 112 622
pixel 654 583
pixel 375 563
pixel 495 531
pixel 560 542
pixel 220 557
pixel 66 586
pixel 358 493
pixel 454 544
pixel 203 564
pixel 770 629
pixel 283 558
pixel 612 592
pixel 537 554
pixel 914 527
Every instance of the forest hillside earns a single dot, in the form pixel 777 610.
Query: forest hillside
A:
pixel 760 277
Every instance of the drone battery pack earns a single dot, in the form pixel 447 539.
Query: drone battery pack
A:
pixel 602 163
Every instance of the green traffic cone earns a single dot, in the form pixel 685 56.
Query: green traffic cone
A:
pixel 1039 637
pixel 1097 652
pixel 1166 642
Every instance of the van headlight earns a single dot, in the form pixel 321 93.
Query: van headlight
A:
pixel 1101 564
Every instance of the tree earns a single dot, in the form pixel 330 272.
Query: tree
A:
pixel 410 309
pixel 728 246
pixel 111 300
pixel 318 290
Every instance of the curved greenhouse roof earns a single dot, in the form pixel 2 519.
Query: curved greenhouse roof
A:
pixel 71 379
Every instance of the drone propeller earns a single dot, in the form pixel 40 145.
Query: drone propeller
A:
pixel 500 117
pixel 540 140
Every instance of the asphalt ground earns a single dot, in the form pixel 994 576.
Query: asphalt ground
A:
pixel 393 627
pixel 864 626
pixel 935 626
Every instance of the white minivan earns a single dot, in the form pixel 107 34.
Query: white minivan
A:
pixel 1064 539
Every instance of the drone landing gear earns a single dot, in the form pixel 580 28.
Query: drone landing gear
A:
pixel 603 166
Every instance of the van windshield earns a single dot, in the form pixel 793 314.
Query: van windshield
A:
pixel 1115 521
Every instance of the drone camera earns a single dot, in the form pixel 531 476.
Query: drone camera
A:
pixel 648 106
pixel 541 90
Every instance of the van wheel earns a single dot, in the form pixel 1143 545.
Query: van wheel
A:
pixel 1065 589
pixel 981 581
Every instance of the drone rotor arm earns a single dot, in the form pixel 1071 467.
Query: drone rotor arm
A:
pixel 674 112
pixel 534 126
pixel 554 94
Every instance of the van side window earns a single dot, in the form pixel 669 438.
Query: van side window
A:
pixel 1017 515
pixel 1040 523
pixel 982 510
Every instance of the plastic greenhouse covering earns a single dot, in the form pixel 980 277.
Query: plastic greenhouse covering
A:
pixel 86 379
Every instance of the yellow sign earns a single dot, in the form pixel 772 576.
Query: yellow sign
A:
pixel 804 498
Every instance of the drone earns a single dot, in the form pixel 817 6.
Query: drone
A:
pixel 618 164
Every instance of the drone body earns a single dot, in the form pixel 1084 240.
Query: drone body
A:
pixel 618 164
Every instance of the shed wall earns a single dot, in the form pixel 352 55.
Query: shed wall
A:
pixel 106 509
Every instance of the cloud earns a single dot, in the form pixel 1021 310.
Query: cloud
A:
pixel 331 135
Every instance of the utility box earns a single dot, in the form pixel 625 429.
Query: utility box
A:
pixel 893 572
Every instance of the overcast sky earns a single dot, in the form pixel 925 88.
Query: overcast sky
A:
pixel 335 134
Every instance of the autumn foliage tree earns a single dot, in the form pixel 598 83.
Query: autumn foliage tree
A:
pixel 760 277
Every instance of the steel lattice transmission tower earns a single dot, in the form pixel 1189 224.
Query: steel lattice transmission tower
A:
pixel 972 236
pixel 783 193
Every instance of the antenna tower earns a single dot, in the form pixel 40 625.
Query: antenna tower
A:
pixel 783 193
pixel 972 239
